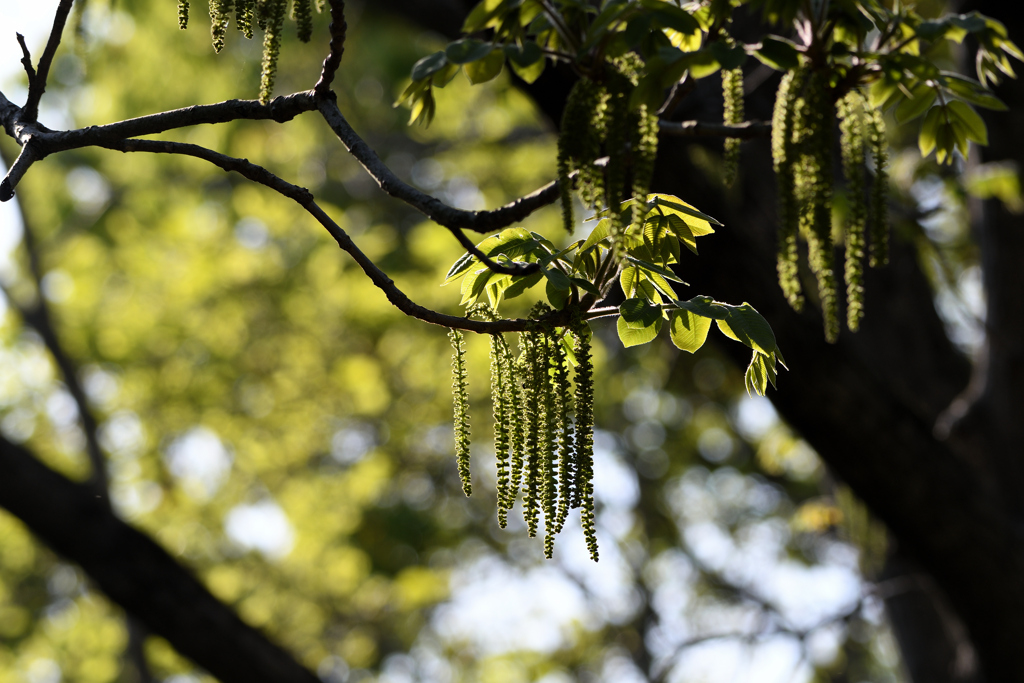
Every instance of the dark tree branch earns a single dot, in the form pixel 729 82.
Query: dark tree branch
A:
pixel 747 130
pixel 37 85
pixel 39 318
pixel 433 208
pixel 338 28
pixel 305 199
pixel 139 575
pixel 517 268
pixel 39 142
pixel 26 59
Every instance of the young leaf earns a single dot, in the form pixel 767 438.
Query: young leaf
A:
pixel 467 50
pixel 973 124
pixel 635 336
pixel 521 283
pixel 628 280
pixel 922 97
pixel 688 330
pixel 646 265
pixel 459 268
pixel 483 70
pixel 638 313
pixel 429 65
pixel 746 325
pixel 926 139
pixel 778 53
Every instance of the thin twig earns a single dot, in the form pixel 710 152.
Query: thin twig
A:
pixel 516 268
pixel 26 59
pixel 38 85
pixel 338 29
pixel 304 198
pixel 433 208
pixel 747 130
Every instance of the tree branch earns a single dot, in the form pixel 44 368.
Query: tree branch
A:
pixel 39 318
pixel 433 208
pixel 37 85
pixel 139 575
pixel 26 58
pixel 338 29
pixel 747 130
pixel 305 199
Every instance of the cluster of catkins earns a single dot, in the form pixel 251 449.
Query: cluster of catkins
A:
pixel 538 445
pixel 802 151
pixel 599 124
pixel 267 16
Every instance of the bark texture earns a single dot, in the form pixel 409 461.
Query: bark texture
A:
pixel 139 575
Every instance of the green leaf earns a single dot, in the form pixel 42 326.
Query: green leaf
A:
pixel 557 296
pixel 688 330
pixel 638 313
pixel 661 284
pixel 467 50
pixel 778 53
pixel 485 69
pixel 429 65
pixel 701 64
pixel 586 285
pixel 882 91
pixel 744 324
pixel 531 73
pixel 973 124
pixel 598 27
pixel 628 280
pixel 524 55
pixel 670 16
pixel 729 57
pixel 922 97
pixel 687 42
pixel 929 131
pixel 512 242
pixel 704 306
pixel 676 205
pixel 521 283
pixel 445 75
pixel 682 231
pixel 412 90
pixel 557 279
pixel 760 371
pixel 647 265
pixel 459 268
pixel 971 91
pixel 635 336
pixel 473 286
pixel 482 15
pixel 600 232
pixel 496 288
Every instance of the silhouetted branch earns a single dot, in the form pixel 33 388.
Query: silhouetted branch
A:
pixel 37 85
pixel 747 130
pixel 38 317
pixel 26 58
pixel 338 28
pixel 433 208
pixel 139 575
pixel 305 199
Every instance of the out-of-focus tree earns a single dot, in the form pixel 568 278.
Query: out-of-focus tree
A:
pixel 192 348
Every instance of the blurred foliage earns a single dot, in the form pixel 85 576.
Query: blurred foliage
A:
pixel 276 425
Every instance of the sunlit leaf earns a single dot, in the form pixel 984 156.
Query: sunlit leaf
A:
pixel 688 330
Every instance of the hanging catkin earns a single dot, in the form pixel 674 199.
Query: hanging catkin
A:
pixel 852 130
pixel 460 393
